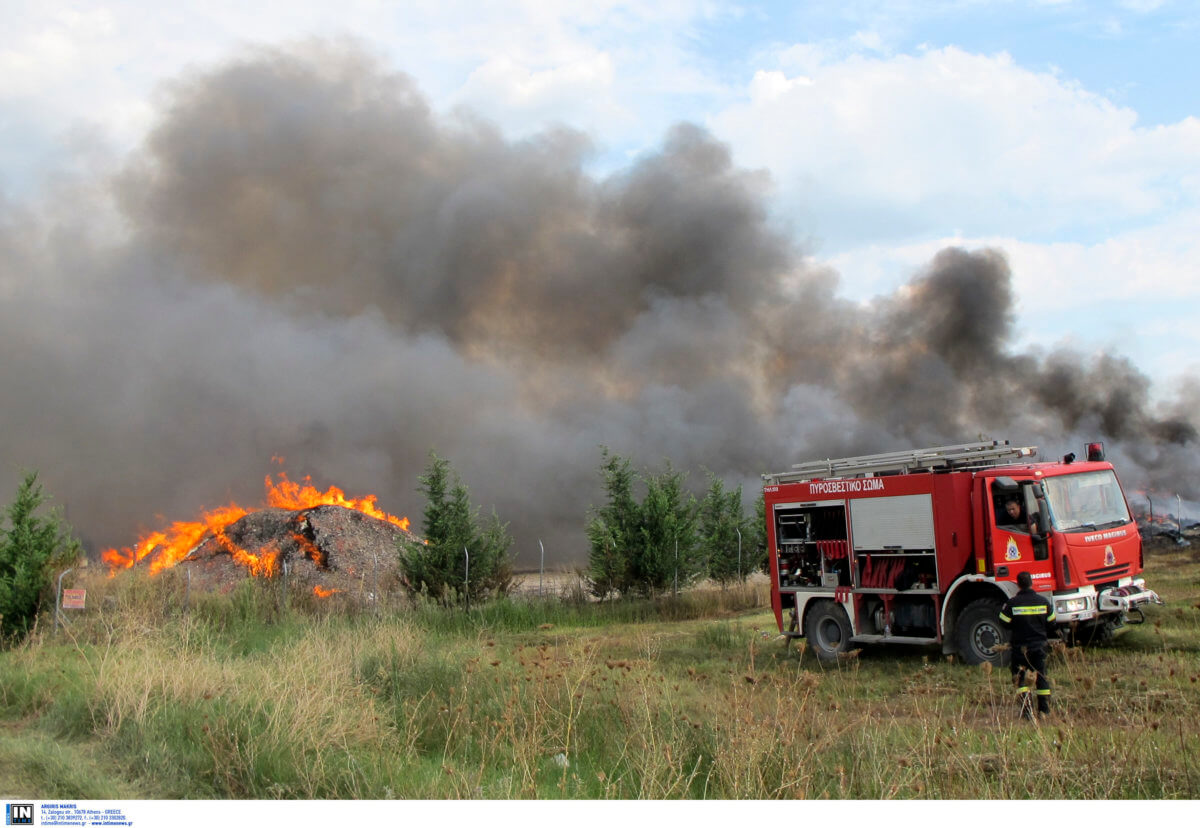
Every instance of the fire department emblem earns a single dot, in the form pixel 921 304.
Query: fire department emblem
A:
pixel 1011 552
pixel 1110 557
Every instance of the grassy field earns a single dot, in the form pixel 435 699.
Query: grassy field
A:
pixel 693 697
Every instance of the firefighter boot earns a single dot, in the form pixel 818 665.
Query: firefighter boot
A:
pixel 1026 703
pixel 1043 703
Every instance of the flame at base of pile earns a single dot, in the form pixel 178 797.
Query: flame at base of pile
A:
pixel 165 548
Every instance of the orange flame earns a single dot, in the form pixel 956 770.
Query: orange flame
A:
pixel 167 547
pixel 322 592
pixel 171 545
pixel 309 549
pixel 262 564
pixel 288 495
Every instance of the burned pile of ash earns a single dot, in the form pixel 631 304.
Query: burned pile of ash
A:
pixel 323 550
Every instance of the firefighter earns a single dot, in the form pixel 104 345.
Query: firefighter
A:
pixel 1030 618
pixel 1014 514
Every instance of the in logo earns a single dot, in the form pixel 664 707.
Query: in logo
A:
pixel 18 814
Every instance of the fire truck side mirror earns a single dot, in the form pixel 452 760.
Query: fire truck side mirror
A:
pixel 1041 525
pixel 1039 516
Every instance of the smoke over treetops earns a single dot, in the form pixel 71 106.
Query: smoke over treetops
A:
pixel 311 263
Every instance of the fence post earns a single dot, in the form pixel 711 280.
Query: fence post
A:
pixel 739 531
pixel 375 582
pixel 541 568
pixel 676 592
pixel 286 566
pixel 467 578
pixel 58 598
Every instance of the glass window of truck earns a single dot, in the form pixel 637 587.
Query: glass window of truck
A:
pixel 1086 501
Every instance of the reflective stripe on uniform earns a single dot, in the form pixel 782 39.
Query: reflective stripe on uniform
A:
pixel 1045 692
pixel 1004 618
pixel 1022 689
pixel 1039 609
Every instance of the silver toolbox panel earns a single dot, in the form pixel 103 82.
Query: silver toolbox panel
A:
pixel 904 521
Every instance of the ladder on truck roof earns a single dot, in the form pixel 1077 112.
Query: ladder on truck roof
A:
pixel 963 456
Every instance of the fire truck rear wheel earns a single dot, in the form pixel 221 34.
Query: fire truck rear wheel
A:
pixel 980 633
pixel 828 631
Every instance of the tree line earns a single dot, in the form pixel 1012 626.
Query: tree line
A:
pixel 651 535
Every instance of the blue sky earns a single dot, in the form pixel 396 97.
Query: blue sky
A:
pixel 1065 133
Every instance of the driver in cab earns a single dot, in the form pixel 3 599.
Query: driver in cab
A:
pixel 1013 515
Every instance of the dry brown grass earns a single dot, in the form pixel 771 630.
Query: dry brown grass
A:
pixel 240 698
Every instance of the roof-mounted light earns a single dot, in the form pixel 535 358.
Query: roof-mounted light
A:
pixel 1095 452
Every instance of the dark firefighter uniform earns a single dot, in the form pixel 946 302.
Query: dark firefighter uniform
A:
pixel 1029 617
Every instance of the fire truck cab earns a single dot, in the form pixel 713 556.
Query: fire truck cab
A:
pixel 924 547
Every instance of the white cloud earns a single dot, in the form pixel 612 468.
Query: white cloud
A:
pixel 767 86
pixel 603 66
pixel 50 48
pixel 577 92
pixel 919 145
pixel 1142 6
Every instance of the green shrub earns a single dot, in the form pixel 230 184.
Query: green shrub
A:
pixel 31 549
pixel 439 566
pixel 642 548
pixel 721 546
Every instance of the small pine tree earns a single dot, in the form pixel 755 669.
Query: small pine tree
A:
pixel 720 521
pixel 667 554
pixel 643 548
pixel 438 566
pixel 31 548
pixel 613 529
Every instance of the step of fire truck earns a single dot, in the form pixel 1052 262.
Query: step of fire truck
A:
pixel 893 639
pixel 963 456
pixel 870 638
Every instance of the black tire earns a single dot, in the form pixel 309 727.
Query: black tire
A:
pixel 1098 632
pixel 827 629
pixel 980 632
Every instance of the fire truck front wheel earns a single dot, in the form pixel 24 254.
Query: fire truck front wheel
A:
pixel 828 631
pixel 980 635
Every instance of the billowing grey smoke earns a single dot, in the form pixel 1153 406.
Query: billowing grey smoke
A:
pixel 309 263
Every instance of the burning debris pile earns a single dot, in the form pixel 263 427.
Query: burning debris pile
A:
pixel 1166 528
pixel 324 541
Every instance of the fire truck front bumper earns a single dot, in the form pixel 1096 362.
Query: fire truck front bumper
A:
pixel 1131 596
pixel 1077 605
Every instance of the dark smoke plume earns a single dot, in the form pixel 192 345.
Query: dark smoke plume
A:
pixel 304 260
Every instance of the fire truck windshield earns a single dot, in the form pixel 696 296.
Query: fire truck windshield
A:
pixel 1085 502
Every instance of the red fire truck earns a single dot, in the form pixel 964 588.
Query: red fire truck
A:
pixel 924 547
